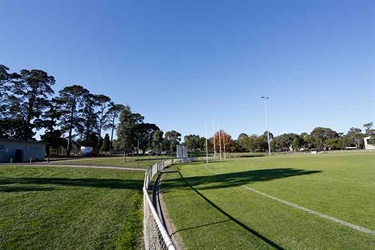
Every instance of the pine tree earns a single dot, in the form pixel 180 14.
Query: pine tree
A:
pixel 106 143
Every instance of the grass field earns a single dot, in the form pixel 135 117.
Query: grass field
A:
pixel 131 162
pixel 211 208
pixel 67 208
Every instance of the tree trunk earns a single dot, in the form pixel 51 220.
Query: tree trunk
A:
pixel 112 129
pixel 100 127
pixel 69 149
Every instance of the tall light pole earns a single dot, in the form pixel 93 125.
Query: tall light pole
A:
pixel 265 98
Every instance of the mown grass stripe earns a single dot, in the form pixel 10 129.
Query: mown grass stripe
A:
pixel 255 233
pixel 362 229
pixel 344 223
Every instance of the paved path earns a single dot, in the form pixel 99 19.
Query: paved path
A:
pixel 43 164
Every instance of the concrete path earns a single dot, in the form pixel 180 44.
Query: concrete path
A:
pixel 44 164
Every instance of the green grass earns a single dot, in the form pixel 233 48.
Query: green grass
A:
pixel 131 162
pixel 214 211
pixel 67 208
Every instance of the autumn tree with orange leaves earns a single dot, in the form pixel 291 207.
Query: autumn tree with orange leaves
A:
pixel 226 140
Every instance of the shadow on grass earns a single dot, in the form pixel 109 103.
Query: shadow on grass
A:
pixel 231 218
pixel 251 156
pixel 237 178
pixel 200 226
pixel 233 180
pixel 80 182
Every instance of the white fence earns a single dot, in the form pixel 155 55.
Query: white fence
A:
pixel 155 234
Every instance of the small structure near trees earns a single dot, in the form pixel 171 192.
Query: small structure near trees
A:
pixel 369 143
pixel 21 151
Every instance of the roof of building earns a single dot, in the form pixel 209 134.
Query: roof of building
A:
pixel 22 141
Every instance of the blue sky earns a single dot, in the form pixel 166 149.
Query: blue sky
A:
pixel 182 63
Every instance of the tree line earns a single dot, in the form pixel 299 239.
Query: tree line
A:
pixel 75 117
pixel 320 138
pixel 72 117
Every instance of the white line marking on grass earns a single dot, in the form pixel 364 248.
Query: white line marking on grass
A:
pixel 361 229
pixel 209 169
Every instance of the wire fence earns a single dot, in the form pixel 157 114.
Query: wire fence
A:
pixel 155 234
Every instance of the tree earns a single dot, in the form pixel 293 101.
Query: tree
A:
pixel 195 143
pixel 333 143
pixel 307 140
pixel 111 115
pixel 368 128
pixel 89 128
pixel 106 144
pixel 297 143
pixel 263 141
pixel 354 137
pixel 223 140
pixel 192 142
pixel 126 128
pixel 30 91
pixel 5 77
pixel 228 143
pixel 243 142
pixel 116 145
pixel 321 134
pixel 254 143
pixel 104 103
pixel 144 133
pixel 157 140
pixel 49 120
pixel 9 128
pixel 216 140
pixel 286 142
pixel 5 80
pixel 71 101
pixel 202 143
pixel 8 124
pixel 172 139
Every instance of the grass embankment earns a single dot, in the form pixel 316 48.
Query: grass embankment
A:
pixel 210 208
pixel 131 162
pixel 67 208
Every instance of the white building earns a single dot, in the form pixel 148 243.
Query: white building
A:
pixel 21 151
pixel 369 143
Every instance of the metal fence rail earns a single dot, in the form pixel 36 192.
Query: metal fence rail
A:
pixel 155 234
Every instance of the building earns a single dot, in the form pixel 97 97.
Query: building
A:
pixel 369 143
pixel 21 151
